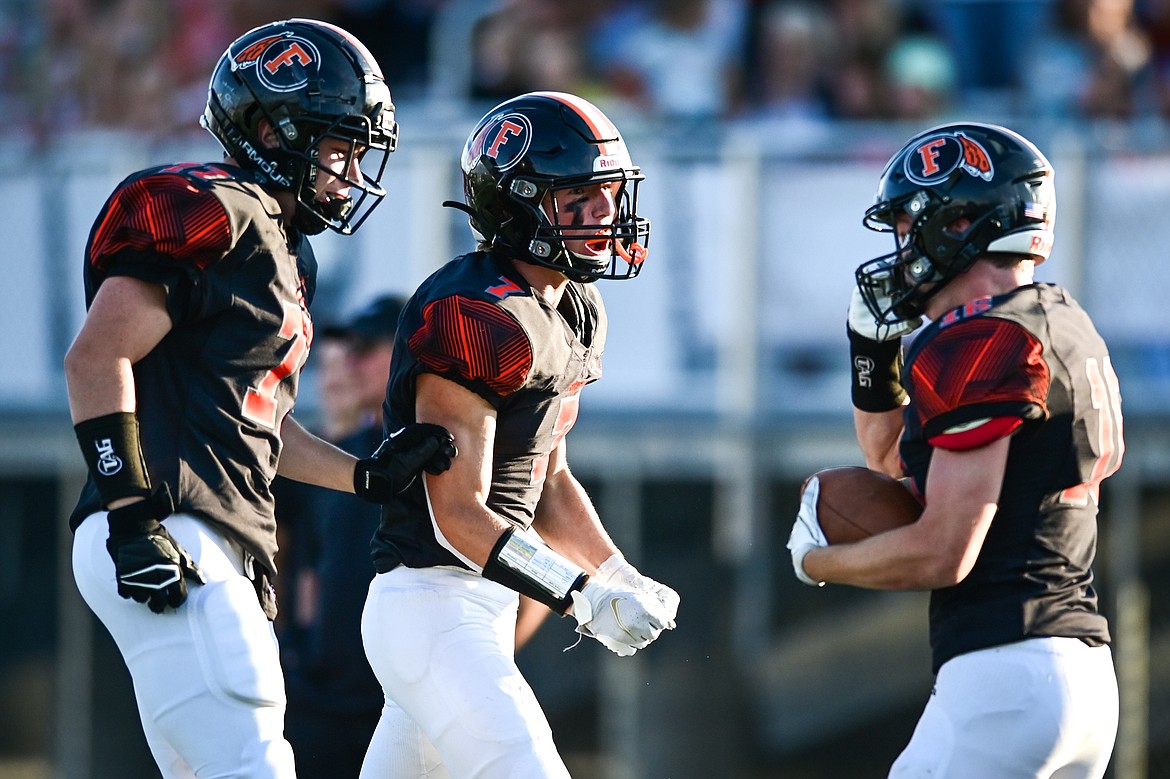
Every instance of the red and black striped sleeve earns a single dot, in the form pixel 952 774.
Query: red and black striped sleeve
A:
pixel 978 380
pixel 475 343
pixel 161 217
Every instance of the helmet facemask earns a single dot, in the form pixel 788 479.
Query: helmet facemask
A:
pixel 369 145
pixel 622 244
pixel 897 286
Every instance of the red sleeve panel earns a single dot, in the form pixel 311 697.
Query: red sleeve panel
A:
pixel 474 342
pixel 162 214
pixel 979 368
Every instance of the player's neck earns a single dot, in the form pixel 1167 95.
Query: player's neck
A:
pixel 549 284
pixel 984 279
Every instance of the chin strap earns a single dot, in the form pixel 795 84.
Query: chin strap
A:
pixel 459 207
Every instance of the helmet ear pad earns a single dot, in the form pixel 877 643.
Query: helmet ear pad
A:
pixel 952 251
pixel 508 212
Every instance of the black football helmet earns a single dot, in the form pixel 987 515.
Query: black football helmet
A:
pixel 987 174
pixel 310 81
pixel 536 143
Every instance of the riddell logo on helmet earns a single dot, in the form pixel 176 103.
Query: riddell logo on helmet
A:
pixel 937 157
pixel 606 163
pixel 1042 243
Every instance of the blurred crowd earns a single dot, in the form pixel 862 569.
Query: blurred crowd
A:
pixel 143 64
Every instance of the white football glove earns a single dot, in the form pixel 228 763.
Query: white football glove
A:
pixel 618 572
pixel 623 619
pixel 806 532
pixel 861 321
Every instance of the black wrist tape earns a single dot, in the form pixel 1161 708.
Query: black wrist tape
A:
pixel 141 516
pixel 875 373
pixel 525 564
pixel 114 456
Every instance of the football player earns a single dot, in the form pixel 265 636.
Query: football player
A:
pixel 1006 417
pixel 496 347
pixel 198 279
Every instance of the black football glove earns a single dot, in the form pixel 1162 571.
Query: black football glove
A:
pixel 150 565
pixel 391 469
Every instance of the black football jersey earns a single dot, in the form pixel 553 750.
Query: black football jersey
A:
pixel 213 393
pixel 1033 358
pixel 478 323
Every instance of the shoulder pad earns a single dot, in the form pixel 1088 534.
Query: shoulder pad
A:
pixel 170 212
pixel 475 341
pixel 985 360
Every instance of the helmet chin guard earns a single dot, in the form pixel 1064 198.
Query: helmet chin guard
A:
pixel 307 81
pixel 968 191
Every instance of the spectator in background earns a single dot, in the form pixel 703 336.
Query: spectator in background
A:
pixel 793 44
pixel 679 59
pixel 398 33
pixel 852 59
pixel 1154 18
pixel 865 31
pixel 124 82
pixel 920 73
pixel 990 40
pixel 1096 62
pixel 338 397
pixel 140 65
pixel 14 46
pixel 534 45
pixel 199 31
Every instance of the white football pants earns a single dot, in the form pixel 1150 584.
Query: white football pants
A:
pixel 1045 708
pixel 207 675
pixel 441 641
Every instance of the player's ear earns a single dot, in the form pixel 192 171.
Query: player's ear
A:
pixel 267 135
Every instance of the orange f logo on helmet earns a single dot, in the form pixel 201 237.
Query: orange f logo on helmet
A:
pixel 294 52
pixel 929 152
pixel 504 139
pixel 507 130
pixel 936 158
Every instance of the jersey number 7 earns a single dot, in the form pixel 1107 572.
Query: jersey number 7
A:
pixel 260 401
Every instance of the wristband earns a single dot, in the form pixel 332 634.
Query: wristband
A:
pixel 114 456
pixel 876 373
pixel 524 563
pixel 141 516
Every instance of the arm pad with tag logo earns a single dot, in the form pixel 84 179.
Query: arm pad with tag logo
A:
pixel 876 373
pixel 113 453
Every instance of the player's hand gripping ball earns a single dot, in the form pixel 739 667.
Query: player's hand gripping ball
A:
pixel 856 503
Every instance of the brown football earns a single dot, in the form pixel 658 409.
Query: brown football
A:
pixel 855 503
